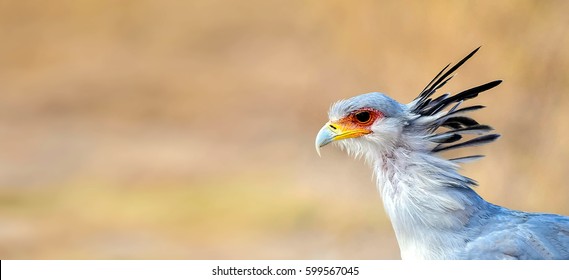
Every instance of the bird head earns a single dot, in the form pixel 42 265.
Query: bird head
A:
pixel 368 121
pixel 375 124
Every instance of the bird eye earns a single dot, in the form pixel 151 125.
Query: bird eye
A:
pixel 363 117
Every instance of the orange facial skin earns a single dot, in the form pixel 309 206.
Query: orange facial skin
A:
pixel 356 124
pixel 362 118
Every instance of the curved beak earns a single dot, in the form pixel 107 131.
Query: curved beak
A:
pixel 332 131
pixel 324 137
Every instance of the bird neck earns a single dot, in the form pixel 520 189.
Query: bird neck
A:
pixel 428 202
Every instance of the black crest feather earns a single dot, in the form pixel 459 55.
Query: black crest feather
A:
pixel 425 106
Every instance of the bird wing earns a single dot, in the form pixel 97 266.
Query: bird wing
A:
pixel 520 235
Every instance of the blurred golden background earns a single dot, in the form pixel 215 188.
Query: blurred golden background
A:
pixel 185 129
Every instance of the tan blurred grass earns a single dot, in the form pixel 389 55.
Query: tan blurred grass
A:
pixel 184 129
pixel 183 222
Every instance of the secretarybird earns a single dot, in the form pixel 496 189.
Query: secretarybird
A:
pixel 433 209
